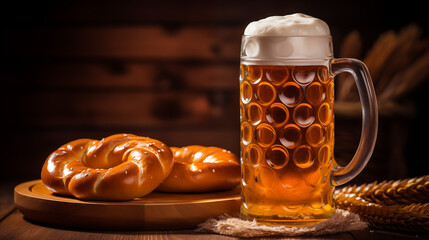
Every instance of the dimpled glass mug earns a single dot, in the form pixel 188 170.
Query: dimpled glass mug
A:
pixel 287 121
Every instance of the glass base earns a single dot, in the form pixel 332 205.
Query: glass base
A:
pixel 276 221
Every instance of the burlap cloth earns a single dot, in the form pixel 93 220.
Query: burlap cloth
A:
pixel 341 221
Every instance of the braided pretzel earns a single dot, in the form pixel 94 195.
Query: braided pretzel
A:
pixel 119 167
pixel 202 169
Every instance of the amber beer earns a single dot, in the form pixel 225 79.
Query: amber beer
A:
pixel 287 142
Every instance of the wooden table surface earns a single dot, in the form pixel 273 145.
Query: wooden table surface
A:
pixel 13 225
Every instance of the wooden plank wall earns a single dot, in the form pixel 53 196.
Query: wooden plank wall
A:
pixel 174 82
pixel 178 87
pixel 164 69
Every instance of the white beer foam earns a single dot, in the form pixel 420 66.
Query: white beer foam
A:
pixel 297 24
pixel 309 38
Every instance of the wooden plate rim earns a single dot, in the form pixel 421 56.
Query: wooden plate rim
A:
pixel 26 189
pixel 180 213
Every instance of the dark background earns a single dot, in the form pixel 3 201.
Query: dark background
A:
pixel 167 70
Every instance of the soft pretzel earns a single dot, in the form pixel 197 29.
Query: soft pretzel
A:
pixel 202 169
pixel 119 167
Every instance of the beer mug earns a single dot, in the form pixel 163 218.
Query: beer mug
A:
pixel 287 127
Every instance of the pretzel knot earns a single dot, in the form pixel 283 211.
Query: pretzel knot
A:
pixel 119 167
pixel 202 169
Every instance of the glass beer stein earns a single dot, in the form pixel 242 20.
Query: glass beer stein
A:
pixel 287 128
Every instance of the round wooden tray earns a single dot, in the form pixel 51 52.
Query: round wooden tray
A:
pixel 155 211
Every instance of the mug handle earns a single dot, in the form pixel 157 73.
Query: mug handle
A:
pixel 341 175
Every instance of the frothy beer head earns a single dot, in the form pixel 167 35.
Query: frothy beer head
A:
pixel 295 36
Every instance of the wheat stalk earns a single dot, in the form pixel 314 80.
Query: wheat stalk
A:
pixel 413 190
pixel 394 205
